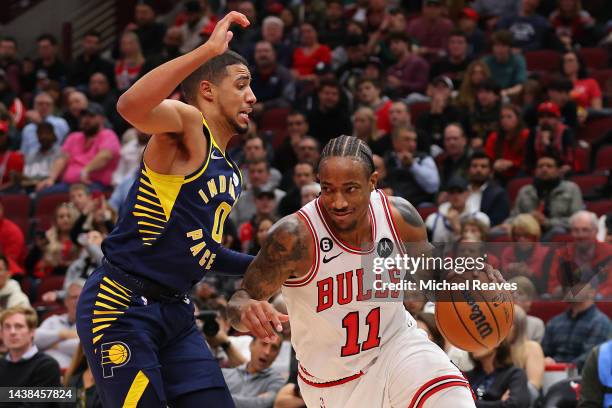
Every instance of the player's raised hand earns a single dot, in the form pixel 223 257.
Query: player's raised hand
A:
pixel 262 320
pixel 221 36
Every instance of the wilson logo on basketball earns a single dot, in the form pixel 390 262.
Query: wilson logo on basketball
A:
pixel 478 317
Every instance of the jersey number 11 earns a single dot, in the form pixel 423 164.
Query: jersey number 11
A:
pixel 351 324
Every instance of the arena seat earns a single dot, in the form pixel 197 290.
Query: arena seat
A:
pixel 603 160
pixel 417 109
pixel 275 120
pixel 16 205
pixel 582 155
pixel 588 182
pixel 594 58
pixel 49 283
pixel 424 212
pixel 595 129
pixel 603 78
pixel 542 60
pixel 599 207
pixel 515 185
pixel 546 309
pixel 45 208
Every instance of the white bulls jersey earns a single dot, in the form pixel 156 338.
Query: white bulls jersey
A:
pixel 339 321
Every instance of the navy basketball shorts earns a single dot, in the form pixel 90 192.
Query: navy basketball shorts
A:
pixel 142 352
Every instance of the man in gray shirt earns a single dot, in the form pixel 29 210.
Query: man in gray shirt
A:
pixel 255 384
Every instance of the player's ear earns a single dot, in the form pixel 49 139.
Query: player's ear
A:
pixel 373 180
pixel 207 91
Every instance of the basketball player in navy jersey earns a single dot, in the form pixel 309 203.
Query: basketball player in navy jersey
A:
pixel 135 320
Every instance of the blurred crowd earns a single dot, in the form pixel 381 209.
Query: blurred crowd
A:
pixel 483 114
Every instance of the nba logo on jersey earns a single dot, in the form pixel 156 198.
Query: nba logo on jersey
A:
pixel 322 405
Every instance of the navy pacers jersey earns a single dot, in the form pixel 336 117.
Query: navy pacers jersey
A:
pixel 170 225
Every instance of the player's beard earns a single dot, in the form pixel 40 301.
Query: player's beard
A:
pixel 241 130
pixel 231 119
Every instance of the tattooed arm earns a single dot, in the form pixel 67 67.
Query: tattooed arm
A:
pixel 285 253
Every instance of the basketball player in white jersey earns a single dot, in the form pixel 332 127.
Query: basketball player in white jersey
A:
pixel 356 346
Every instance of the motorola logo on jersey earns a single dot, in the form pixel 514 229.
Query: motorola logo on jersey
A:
pixel 115 354
pixel 384 248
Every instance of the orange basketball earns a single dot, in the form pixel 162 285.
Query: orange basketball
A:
pixel 474 319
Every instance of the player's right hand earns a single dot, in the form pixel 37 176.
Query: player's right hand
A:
pixel 262 320
pixel 221 36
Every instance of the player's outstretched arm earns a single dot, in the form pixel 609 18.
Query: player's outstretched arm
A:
pixel 285 253
pixel 144 104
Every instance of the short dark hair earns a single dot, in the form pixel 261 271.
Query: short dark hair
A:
pixel 364 80
pixel 92 33
pixel 46 36
pixel 45 127
pixel 213 70
pixel 458 33
pixel 304 163
pixel 400 36
pixel 551 154
pixel 477 155
pixel 349 146
pixel 258 160
pixel 330 83
pixel 503 37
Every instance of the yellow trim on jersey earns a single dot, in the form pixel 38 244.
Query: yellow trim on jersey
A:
pixel 112 292
pixel 143 208
pixel 106 297
pixel 107 312
pixel 119 286
pixel 104 305
pixel 140 214
pixel 103 319
pixel 146 200
pixel 97 338
pixel 98 328
pixel 148 224
pixel 167 188
pixel 136 390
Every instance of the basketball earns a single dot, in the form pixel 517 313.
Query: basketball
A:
pixel 474 319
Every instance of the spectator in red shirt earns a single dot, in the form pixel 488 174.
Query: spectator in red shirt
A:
pixel 410 73
pixel 586 92
pixel 507 146
pixel 90 156
pixel 11 242
pixel 309 54
pixel 431 30
pixel 11 163
pixel 369 94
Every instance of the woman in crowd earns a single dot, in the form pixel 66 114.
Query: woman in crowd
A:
pixel 473 228
pixel 60 251
pixel 364 125
pixel 527 257
pixel 262 231
pixel 309 54
pixel 526 354
pixel 508 146
pixel 475 74
pixel 496 381
pixel 130 62
pixel 586 92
